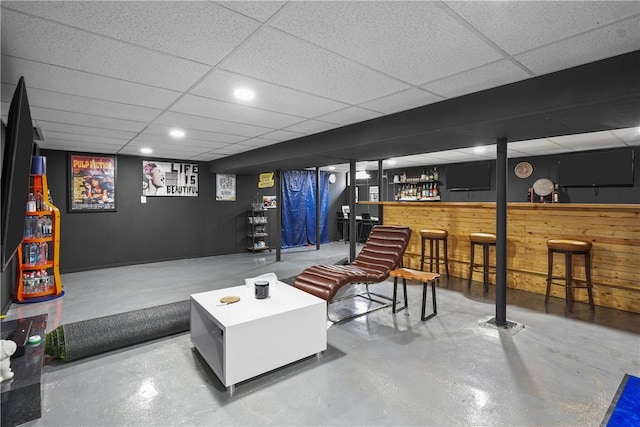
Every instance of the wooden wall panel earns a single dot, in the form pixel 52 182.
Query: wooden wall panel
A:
pixel 614 231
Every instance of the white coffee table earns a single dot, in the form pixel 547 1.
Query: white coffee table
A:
pixel 253 336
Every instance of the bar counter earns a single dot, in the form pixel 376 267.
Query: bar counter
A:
pixel 614 231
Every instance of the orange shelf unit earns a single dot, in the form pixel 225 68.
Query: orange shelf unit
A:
pixel 39 276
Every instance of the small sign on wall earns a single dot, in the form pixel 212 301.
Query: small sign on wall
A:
pixel 226 187
pixel 266 180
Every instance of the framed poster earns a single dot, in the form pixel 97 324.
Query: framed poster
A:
pixel 226 187
pixel 92 183
pixel 269 202
pixel 169 179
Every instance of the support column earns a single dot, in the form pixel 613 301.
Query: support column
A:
pixel 278 237
pixel 352 211
pixel 380 183
pixel 501 233
pixel 317 208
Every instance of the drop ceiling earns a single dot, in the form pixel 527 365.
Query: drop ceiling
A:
pixel 114 77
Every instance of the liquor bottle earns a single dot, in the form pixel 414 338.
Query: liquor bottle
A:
pixel 31 204
pixel 435 173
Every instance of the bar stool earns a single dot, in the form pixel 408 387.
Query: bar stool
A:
pixel 486 240
pixel 570 248
pixel 435 236
pixel 420 276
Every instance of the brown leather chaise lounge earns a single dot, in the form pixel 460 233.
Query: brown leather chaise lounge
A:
pixel 382 253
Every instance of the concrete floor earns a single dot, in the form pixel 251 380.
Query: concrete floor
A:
pixel 380 369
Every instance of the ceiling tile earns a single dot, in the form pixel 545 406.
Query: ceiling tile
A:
pixel 518 26
pixel 207 107
pixel 89 146
pixel 259 10
pixel 401 101
pixel 186 121
pixel 485 77
pixel 311 126
pixel 43 76
pixel 155 129
pixel 50 115
pixel 206 157
pixel 286 61
pixel 166 140
pixel 589 141
pixel 350 115
pixel 593 46
pixel 74 137
pixel 628 135
pixel 41 40
pixel 221 84
pixel 257 142
pixel 536 146
pixel 78 104
pixel 281 135
pixel 83 130
pixel 213 31
pixel 436 44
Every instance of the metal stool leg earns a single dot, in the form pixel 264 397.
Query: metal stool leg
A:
pixel 549 275
pixel 569 280
pixel 587 268
pixel 471 265
pixel 423 317
pixel 485 266
pixel 446 257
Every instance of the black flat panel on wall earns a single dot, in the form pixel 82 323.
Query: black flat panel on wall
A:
pixel 468 176
pixel 603 168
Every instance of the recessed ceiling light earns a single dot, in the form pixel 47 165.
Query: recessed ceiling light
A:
pixel 479 149
pixel 176 133
pixel 146 150
pixel 244 94
pixel 331 168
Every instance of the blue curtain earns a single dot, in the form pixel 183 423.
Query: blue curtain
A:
pixel 299 208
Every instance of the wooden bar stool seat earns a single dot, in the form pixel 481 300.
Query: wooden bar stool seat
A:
pixel 570 248
pixel 425 277
pixel 435 236
pixel 486 240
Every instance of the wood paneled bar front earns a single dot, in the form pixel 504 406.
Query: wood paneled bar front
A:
pixel 613 229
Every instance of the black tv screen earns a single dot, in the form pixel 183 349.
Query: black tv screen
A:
pixel 16 167
pixel 609 168
pixel 469 176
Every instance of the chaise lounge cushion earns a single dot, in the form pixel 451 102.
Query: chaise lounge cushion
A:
pixel 381 253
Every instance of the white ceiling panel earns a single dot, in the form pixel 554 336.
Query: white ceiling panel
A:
pixel 83 130
pixel 630 135
pixel 418 30
pixel 220 85
pixel 212 33
pixel 590 141
pixel 63 80
pixel 585 48
pixel 274 56
pixel 206 107
pixel 65 144
pixel 259 10
pixel 281 135
pixel 401 101
pixel 44 41
pixel 78 104
pixel 186 121
pixel 481 78
pixel 350 115
pixel 256 142
pixel 518 26
pixel 50 115
pixel 195 134
pixel 311 126
pixel 74 137
pixel 145 139
pixel 536 146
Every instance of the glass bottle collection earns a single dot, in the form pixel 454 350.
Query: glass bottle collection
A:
pixel 36 253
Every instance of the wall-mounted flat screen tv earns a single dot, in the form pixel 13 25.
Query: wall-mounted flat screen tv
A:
pixel 608 168
pixel 468 176
pixel 16 166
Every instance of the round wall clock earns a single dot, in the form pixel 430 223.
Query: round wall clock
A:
pixel 523 170
pixel 332 178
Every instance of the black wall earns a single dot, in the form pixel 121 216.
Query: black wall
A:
pixel 543 167
pixel 164 228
